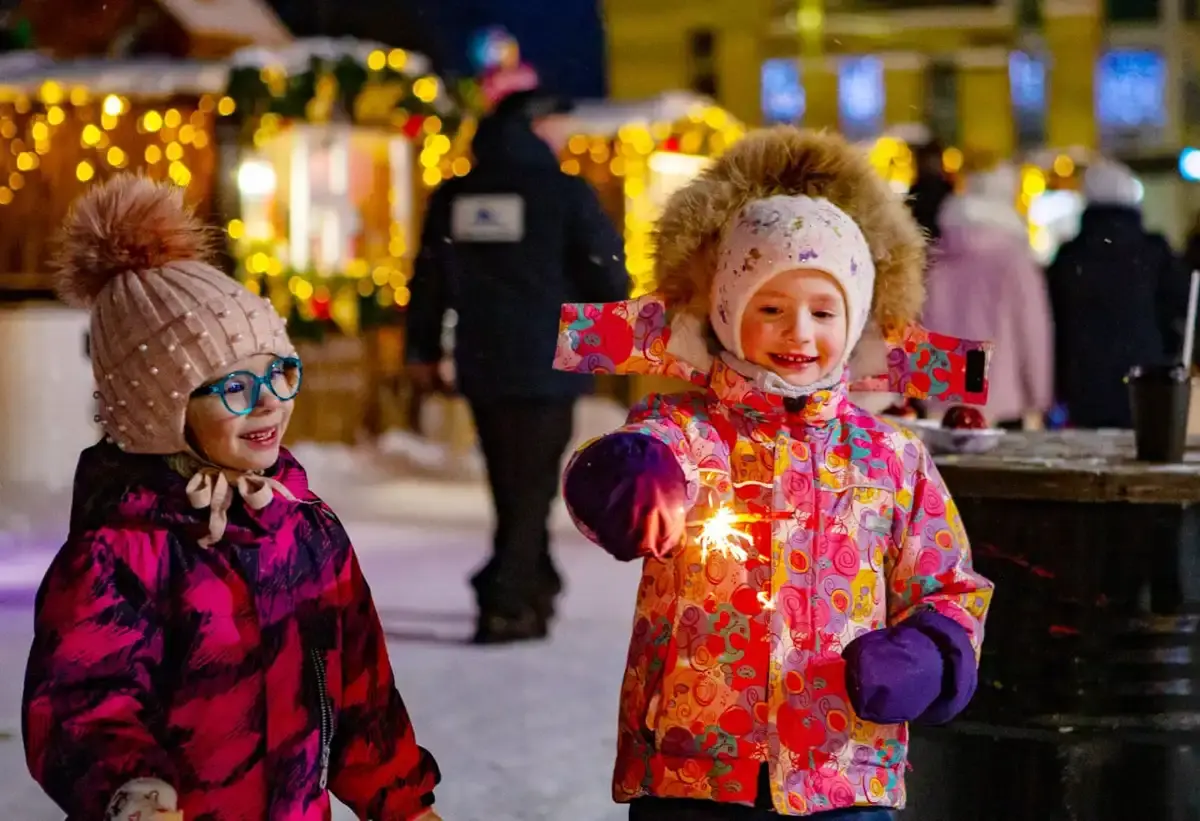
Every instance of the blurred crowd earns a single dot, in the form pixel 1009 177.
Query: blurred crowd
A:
pixel 1113 297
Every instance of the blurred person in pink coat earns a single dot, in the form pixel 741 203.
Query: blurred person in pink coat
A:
pixel 984 283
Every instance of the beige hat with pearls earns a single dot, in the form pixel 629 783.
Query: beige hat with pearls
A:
pixel 164 321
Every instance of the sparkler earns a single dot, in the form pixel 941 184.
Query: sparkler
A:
pixel 719 533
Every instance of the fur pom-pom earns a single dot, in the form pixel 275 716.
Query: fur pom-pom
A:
pixel 128 223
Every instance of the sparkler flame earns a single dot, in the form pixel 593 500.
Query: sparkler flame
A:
pixel 719 533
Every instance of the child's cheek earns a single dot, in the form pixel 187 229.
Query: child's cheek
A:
pixel 211 430
pixel 753 333
pixel 287 409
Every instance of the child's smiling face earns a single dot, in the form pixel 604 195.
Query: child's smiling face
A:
pixel 251 441
pixel 796 325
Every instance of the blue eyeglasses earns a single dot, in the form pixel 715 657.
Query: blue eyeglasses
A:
pixel 240 390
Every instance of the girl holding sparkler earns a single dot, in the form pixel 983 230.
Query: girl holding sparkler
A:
pixel 807 588
pixel 205 645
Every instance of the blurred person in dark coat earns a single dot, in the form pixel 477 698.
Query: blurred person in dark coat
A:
pixel 930 188
pixel 504 247
pixel 1119 298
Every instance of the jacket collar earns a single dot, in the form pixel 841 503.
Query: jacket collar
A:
pixel 114 488
pixel 758 398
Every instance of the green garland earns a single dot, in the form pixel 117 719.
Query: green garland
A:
pixel 253 96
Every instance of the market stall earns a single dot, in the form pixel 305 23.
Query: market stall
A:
pixel 1087 705
pixel 339 143
pixel 64 125
pixel 637 154
pixel 315 157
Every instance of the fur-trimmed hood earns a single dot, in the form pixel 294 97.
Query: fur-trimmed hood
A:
pixel 789 161
pixel 669 333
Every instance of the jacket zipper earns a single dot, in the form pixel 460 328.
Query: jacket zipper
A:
pixel 326 716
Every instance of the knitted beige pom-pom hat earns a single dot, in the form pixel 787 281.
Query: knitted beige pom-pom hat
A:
pixel 164 321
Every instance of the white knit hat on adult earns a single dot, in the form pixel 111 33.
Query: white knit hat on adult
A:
pixel 999 184
pixel 1111 183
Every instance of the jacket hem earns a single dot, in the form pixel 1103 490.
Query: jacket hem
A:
pixel 696 777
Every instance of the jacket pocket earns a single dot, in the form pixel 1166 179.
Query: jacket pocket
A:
pixel 853 551
pixel 863 512
pixel 326 714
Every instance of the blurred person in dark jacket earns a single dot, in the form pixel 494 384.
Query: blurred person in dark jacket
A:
pixel 930 188
pixel 504 247
pixel 1119 298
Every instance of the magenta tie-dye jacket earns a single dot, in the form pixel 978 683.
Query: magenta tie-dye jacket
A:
pixel 245 675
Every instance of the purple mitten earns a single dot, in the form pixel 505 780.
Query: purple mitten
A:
pixel 892 675
pixel 629 490
pixel 960 673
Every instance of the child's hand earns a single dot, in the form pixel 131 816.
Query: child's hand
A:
pixel 144 798
pixel 923 669
pixel 892 675
pixel 681 520
pixel 663 529
pixel 630 492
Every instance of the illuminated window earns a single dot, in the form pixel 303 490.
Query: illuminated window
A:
pixel 782 92
pixel 860 96
pixel 1131 97
pixel 1027 79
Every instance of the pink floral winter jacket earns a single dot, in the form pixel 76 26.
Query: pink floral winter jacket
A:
pixel 737 661
pixel 244 675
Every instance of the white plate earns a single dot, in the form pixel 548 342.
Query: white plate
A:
pixel 941 440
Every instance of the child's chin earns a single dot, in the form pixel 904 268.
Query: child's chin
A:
pixel 799 379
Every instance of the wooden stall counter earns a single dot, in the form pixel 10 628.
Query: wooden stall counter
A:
pixel 1088 707
pixel 1073 466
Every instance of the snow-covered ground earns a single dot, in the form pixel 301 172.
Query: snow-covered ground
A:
pixel 521 733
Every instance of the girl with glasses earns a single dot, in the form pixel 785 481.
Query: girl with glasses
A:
pixel 205 644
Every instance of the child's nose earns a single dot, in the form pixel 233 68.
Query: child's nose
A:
pixel 803 327
pixel 267 400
